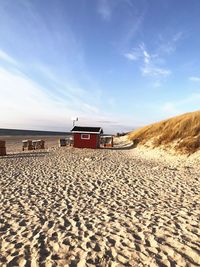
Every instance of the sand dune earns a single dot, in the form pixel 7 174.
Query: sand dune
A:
pixel 180 134
pixel 71 207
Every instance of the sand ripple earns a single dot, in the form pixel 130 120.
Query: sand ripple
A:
pixel 73 207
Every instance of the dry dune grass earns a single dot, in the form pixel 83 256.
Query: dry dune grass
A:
pixel 182 132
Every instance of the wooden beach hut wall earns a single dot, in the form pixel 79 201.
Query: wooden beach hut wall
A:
pixel 86 137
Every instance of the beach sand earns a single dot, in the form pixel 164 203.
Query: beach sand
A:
pixel 85 207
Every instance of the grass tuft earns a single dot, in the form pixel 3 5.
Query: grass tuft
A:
pixel 183 131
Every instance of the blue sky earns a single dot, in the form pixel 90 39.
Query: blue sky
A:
pixel 118 64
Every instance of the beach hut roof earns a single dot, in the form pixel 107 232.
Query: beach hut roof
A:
pixel 83 129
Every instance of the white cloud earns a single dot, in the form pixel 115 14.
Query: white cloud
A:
pixel 194 79
pixel 190 103
pixel 66 88
pixel 5 57
pixel 132 56
pixel 136 53
pixel 193 99
pixel 169 45
pixel 151 64
pixel 24 104
pixel 134 27
pixel 170 108
pixel 150 67
pixel 135 15
pixel 27 105
pixel 147 57
pixel 104 9
pixel 90 108
pixel 178 36
pixel 153 71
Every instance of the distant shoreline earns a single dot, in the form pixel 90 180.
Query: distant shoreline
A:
pixel 18 132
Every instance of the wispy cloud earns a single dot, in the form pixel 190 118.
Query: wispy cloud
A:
pixel 131 56
pixel 64 88
pixel 168 45
pixel 28 104
pixel 134 26
pixel 151 70
pixel 194 79
pixel 189 103
pixel 107 121
pixel 170 108
pixel 149 66
pixel 91 108
pixel 152 64
pixel 193 99
pixel 25 104
pixel 5 57
pixel 134 54
pixel 104 9
pixel 134 14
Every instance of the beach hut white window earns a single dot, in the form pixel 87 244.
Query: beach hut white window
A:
pixel 85 136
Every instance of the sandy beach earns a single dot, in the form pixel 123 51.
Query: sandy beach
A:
pixel 85 207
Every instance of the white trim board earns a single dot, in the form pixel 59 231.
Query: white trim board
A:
pixel 82 132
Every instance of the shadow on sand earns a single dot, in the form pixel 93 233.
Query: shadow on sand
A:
pixel 25 155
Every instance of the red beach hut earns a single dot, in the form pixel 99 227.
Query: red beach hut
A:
pixel 87 137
